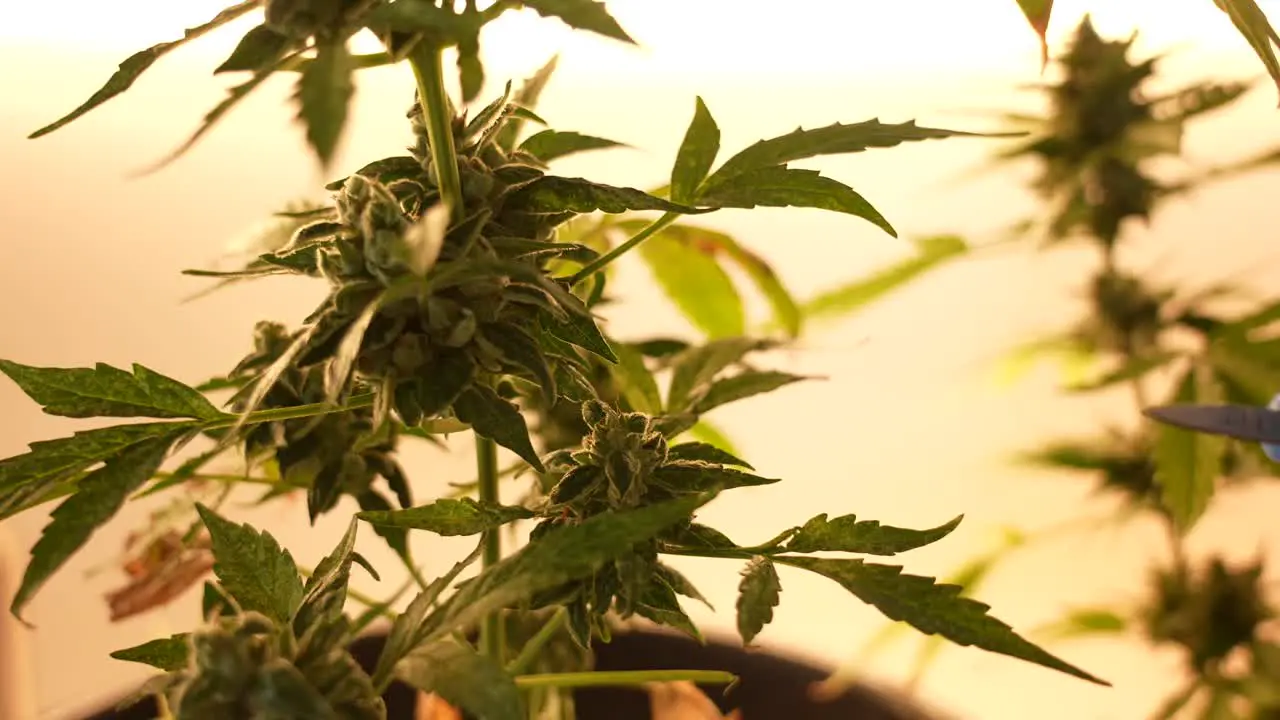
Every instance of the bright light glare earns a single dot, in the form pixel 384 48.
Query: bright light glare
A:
pixel 784 33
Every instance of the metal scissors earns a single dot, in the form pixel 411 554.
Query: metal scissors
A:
pixel 1242 422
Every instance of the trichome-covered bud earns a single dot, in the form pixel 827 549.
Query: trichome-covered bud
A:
pixel 594 413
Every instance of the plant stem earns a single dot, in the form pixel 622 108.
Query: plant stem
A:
pixel 595 265
pixel 428 70
pixel 529 653
pixel 623 678
pixel 292 413
pixel 491 640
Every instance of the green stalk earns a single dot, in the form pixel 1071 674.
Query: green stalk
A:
pixel 491 640
pixel 428 70
pixel 595 265
pixel 623 678
pixel 529 653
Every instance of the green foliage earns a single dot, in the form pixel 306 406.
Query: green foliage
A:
pixel 462 285
pixel 758 594
pixel 1246 15
pixel 1096 150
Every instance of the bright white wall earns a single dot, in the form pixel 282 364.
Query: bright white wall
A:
pixel 908 429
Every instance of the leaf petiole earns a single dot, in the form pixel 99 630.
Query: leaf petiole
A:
pixel 617 252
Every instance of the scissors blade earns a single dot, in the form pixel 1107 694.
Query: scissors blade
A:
pixel 1242 422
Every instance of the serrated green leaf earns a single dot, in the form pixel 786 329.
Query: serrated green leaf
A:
pixel 1037 13
pixel 744 385
pixel 407 629
pixel 550 194
pixel 215 603
pixel 1188 463
pixel 659 604
pixel 582 331
pixel 582 15
pixel 252 568
pixel 696 283
pixel 396 538
pixel 31 478
pixel 526 98
pixel 845 299
pixel 848 534
pixel 550 145
pixel 1252 23
pixel 697 476
pixel 498 420
pixel 447 516
pixel 325 593
pixel 758 594
pixel 697 154
pixel 834 139
pixel 324 93
pixel 698 366
pixel 169 654
pixel 105 391
pixel 257 49
pixel 680 584
pixel 637 383
pixel 564 554
pixel 385 171
pixel 519 348
pixel 705 452
pixel 98 497
pixel 138 63
pixel 465 679
pixel 931 608
pixel 791 187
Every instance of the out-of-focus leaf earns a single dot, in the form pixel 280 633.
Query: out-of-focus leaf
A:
pixel 712 435
pixel 840 301
pixel 1130 370
pixel 1252 23
pixel 139 62
pixel 1084 623
pixel 786 313
pixel 1038 13
pixel 695 282
pixel 1188 463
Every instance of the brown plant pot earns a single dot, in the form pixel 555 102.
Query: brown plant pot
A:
pixel 773 687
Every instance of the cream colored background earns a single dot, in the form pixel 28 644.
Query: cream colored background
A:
pixel 909 428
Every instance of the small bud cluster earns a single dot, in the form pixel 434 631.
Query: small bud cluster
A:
pixel 330 455
pixel 1212 615
pixel 245 666
pixel 619 466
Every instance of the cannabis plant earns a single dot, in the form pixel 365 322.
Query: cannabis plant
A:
pixel 463 280
pixel 1095 150
pixel 1246 15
